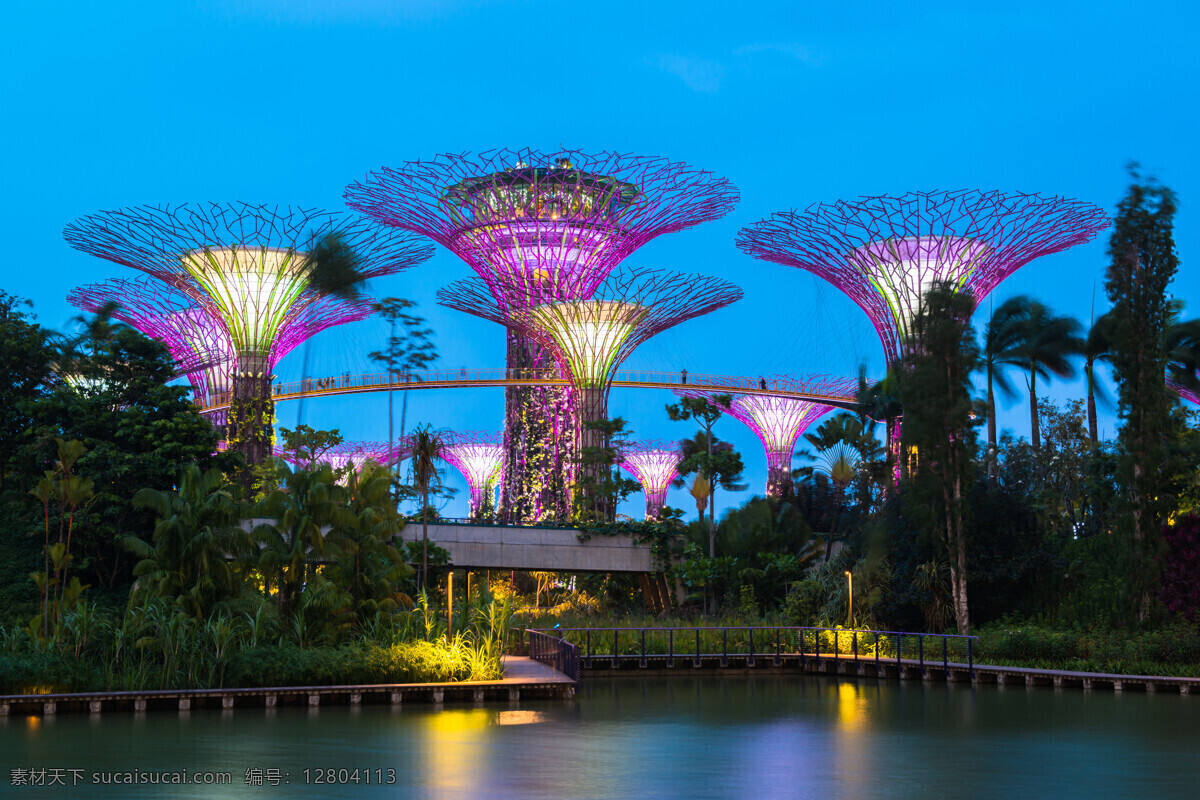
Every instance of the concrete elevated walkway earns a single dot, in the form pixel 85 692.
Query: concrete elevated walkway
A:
pixel 531 548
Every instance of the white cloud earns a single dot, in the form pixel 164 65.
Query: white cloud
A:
pixel 699 74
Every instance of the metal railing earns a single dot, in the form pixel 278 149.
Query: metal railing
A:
pixel 556 652
pixel 833 391
pixel 746 643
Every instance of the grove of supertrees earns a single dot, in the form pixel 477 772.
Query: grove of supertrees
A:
pixel 247 268
pixel 886 252
pixel 654 464
pixel 590 337
pixel 479 456
pixel 778 423
pixel 544 225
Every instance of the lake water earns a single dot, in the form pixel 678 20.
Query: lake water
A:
pixel 762 737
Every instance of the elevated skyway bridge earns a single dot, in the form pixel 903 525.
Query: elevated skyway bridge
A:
pixel 837 392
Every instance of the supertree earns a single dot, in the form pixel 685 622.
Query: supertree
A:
pixel 885 252
pixel 190 333
pixel 358 453
pixel 248 267
pixel 555 222
pixel 654 465
pixel 1184 390
pixel 591 337
pixel 777 422
pixel 479 456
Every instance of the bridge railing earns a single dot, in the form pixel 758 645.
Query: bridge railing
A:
pixel 748 643
pixel 556 652
pixel 839 390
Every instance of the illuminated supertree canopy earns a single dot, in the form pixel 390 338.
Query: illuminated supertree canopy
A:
pixel 555 223
pixel 654 465
pixel 248 267
pixel 884 252
pixel 527 217
pixel 591 337
pixel 357 453
pixel 777 422
pixel 479 456
pixel 162 312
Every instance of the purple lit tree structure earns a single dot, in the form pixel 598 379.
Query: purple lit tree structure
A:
pixel 591 337
pixel 1186 392
pixel 654 465
pixel 160 311
pixel 358 453
pixel 479 456
pixel 777 422
pixel 550 222
pixel 885 252
pixel 247 267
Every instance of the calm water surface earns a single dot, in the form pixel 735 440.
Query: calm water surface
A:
pixel 658 738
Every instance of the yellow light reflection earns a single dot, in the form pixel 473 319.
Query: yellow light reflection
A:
pixel 520 717
pixel 455 745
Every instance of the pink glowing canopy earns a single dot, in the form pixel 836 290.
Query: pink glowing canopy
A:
pixel 558 219
pixel 479 456
pixel 885 252
pixel 654 465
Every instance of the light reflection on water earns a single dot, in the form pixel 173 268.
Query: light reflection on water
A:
pixel 795 737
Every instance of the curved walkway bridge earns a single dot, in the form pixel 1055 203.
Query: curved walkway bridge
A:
pixel 837 392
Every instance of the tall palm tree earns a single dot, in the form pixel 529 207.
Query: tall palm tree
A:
pixel 1045 349
pixel 366 560
pixel 310 502
pixel 195 536
pixel 1097 347
pixel 334 270
pixel 1001 338
pixel 427 449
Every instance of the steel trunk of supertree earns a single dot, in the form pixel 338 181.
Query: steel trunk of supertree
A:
pixel 654 464
pixel 548 223
pixel 246 266
pixel 885 252
pixel 591 337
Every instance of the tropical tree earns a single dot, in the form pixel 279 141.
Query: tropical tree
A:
pixel 197 535
pixel 427 450
pixel 1097 347
pixel 1143 264
pixel 935 389
pixel 1001 338
pixel 297 515
pixel 366 564
pixel 409 350
pixel 332 269
pixel 705 411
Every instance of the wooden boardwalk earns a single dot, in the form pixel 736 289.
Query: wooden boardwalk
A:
pixel 523 677
pixel 902 669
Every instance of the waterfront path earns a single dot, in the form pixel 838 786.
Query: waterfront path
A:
pixel 523 677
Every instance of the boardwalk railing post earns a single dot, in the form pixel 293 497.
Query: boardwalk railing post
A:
pixel 670 648
pixel 854 644
pixel 615 662
pixel 696 663
pixel 946 657
pixel 642 662
pixel 750 660
pixel 724 647
pixel 899 647
pixel 921 650
pixel 778 658
pixel 588 637
pixel 970 660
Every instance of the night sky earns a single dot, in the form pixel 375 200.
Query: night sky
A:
pixel 282 101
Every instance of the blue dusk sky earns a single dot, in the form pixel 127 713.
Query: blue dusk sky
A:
pixel 287 101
